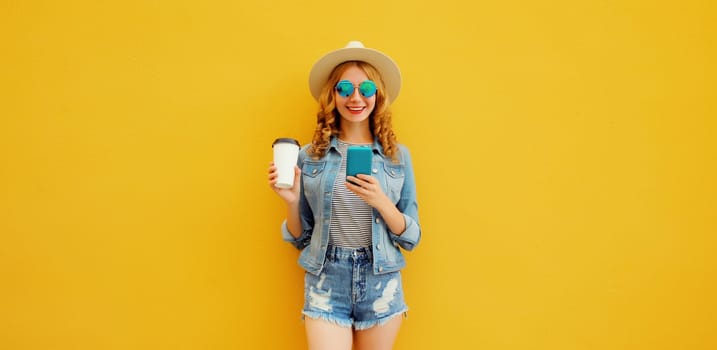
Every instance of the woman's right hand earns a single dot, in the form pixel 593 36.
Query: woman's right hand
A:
pixel 289 195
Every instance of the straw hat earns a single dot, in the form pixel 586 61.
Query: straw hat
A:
pixel 355 51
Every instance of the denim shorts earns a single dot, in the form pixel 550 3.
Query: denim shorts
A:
pixel 349 294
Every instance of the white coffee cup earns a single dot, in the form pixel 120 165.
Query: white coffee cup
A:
pixel 286 154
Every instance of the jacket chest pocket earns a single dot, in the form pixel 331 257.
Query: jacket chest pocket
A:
pixel 395 175
pixel 311 172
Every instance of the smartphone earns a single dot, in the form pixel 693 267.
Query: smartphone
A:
pixel 358 160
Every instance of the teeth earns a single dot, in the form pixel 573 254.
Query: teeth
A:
pixel 355 108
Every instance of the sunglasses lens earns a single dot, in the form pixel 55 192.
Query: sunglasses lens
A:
pixel 367 88
pixel 345 88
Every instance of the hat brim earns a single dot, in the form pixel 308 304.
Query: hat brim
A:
pixel 388 69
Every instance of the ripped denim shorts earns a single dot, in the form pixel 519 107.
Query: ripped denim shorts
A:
pixel 349 294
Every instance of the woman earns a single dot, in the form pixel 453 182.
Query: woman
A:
pixel 350 228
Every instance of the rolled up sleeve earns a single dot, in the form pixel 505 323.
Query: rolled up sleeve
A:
pixel 411 235
pixel 408 205
pixel 307 216
pixel 301 242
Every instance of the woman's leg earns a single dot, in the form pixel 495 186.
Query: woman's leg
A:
pixel 324 335
pixel 378 337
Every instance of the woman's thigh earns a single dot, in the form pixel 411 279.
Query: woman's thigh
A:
pixel 324 335
pixel 379 337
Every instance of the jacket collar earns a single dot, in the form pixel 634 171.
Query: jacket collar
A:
pixel 376 147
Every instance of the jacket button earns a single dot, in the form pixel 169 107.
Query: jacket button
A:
pixel 374 170
pixel 380 268
pixel 314 171
pixel 378 221
pixel 393 172
pixel 378 247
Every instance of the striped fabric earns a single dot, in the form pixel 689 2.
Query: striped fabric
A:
pixel 350 215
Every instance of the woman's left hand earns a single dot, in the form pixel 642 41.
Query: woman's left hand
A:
pixel 368 188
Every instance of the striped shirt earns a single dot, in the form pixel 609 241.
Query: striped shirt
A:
pixel 350 215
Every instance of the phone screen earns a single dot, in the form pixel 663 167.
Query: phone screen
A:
pixel 358 160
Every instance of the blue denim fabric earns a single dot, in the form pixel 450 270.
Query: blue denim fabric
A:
pixel 317 180
pixel 347 293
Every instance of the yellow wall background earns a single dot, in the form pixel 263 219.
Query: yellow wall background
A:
pixel 565 155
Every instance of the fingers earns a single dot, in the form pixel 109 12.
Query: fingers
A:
pixel 297 177
pixel 359 186
pixel 362 180
pixel 274 178
pixel 272 172
pixel 272 175
pixel 354 181
pixel 367 178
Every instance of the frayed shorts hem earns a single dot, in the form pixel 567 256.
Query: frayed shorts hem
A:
pixel 326 317
pixel 363 325
pixel 359 326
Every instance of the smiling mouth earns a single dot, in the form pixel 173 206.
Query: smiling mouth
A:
pixel 356 110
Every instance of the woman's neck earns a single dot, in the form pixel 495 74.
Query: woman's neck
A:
pixel 355 135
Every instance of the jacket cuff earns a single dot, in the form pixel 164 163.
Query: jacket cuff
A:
pixel 411 235
pixel 286 235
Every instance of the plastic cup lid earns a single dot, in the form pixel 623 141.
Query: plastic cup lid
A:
pixel 285 140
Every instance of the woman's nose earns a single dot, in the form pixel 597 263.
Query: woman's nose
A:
pixel 355 95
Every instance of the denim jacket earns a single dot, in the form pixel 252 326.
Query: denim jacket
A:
pixel 317 181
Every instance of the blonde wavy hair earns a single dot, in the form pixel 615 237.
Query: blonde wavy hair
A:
pixel 328 119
